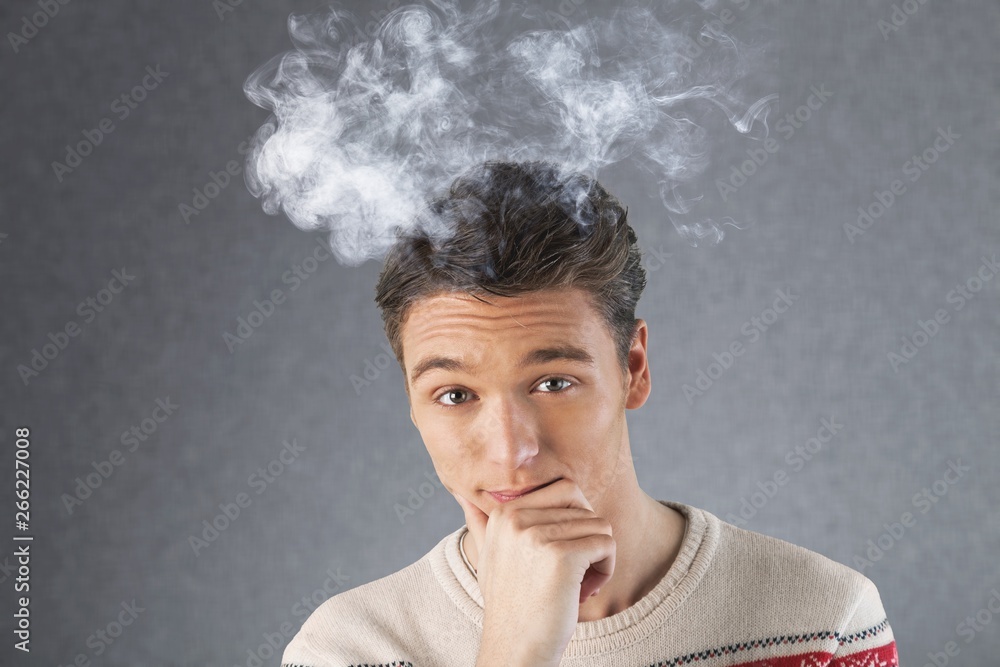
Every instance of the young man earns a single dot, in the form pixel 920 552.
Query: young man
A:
pixel 513 322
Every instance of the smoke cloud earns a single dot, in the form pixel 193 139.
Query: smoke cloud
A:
pixel 363 131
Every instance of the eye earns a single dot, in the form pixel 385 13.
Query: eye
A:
pixel 554 380
pixel 449 392
pixel 457 390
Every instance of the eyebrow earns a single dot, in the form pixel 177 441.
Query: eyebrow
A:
pixel 533 358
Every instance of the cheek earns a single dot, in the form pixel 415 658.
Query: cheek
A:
pixel 449 459
pixel 589 439
pixel 585 419
pixel 448 475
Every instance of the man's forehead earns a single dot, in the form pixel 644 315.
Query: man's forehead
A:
pixel 437 315
pixel 556 324
pixel 450 361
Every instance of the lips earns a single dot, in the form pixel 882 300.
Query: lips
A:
pixel 506 495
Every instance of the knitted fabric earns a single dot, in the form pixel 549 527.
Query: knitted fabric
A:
pixel 732 598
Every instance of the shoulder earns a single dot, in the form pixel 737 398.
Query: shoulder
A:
pixel 772 588
pixel 373 623
pixel 768 567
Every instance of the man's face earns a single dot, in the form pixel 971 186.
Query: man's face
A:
pixel 498 424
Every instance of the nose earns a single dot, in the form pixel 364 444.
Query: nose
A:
pixel 507 431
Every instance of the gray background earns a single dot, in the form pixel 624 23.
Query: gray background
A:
pixel 336 505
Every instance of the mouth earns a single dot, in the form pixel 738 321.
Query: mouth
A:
pixel 506 495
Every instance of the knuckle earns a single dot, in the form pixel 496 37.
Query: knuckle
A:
pixel 537 535
pixel 561 548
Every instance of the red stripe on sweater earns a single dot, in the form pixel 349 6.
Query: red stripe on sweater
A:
pixel 881 656
pixel 811 659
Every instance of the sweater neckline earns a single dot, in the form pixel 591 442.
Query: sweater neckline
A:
pixel 701 536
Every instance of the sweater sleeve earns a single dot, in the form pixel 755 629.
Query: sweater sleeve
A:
pixel 867 638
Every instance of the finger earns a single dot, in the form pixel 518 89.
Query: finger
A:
pixel 600 550
pixel 475 518
pixel 563 492
pixel 557 516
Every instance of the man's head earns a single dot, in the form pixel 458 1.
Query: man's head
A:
pixel 519 258
pixel 508 229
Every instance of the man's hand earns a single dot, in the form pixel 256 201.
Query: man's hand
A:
pixel 540 557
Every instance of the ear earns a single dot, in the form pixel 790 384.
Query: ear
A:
pixel 639 385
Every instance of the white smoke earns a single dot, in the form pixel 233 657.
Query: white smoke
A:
pixel 362 132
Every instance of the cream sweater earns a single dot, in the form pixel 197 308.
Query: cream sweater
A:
pixel 732 597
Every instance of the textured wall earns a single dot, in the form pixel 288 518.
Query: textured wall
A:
pixel 334 508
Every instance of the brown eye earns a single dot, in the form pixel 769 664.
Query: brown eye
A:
pixel 449 393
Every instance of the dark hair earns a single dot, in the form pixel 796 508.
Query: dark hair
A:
pixel 507 228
